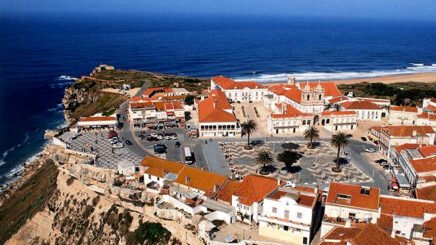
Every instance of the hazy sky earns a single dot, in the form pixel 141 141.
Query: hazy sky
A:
pixel 390 9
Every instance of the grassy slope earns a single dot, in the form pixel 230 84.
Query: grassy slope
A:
pixel 106 103
pixel 396 92
pixel 29 199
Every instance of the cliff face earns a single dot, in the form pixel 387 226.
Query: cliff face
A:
pixel 85 96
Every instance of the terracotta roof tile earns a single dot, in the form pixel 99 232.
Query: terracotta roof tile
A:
pixel 430 229
pixel 406 146
pixel 407 131
pixel 404 108
pixel 254 188
pixel 228 83
pixel 200 179
pixel 357 199
pixel 213 108
pixel 160 167
pixel 424 165
pixel 230 188
pixel 425 115
pixel 402 207
pixel 428 151
pixel 427 193
pixel 330 88
pixel 291 112
pixel 361 234
pixel 360 105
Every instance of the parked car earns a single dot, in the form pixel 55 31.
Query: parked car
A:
pixel 117 145
pixel 160 136
pixel 151 138
pixel 128 142
pixel 159 148
pixel 113 140
pixel 173 137
pixel 363 139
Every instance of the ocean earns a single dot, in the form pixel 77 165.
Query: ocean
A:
pixel 36 50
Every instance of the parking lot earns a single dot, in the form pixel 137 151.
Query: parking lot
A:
pixel 97 143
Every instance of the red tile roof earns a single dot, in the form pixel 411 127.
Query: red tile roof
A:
pixel 361 234
pixel 424 165
pixel 427 193
pixel 213 108
pixel 338 99
pixel 330 88
pixel 430 229
pixel 228 83
pixel 404 108
pixel 357 199
pixel 430 108
pixel 360 105
pixel 402 207
pixel 406 146
pixel 229 189
pixel 300 197
pixel 138 105
pixel 150 92
pixel 254 188
pixel 160 167
pixel 428 151
pixel 200 179
pixel 407 131
pixel 338 113
pixel 289 91
pixel 425 115
pixel 291 112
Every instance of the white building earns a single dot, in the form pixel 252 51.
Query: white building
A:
pixel 126 168
pixel 248 198
pixel 97 122
pixel 216 117
pixel 403 115
pixel 290 214
pixel 288 120
pixel 238 91
pixel 365 110
pixel 338 120
pixel 350 202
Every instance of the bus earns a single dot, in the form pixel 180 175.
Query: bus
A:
pixel 189 158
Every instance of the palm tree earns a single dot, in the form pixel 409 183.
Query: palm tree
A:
pixel 264 157
pixel 340 141
pixel 248 128
pixel 311 133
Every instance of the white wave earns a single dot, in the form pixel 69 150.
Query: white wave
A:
pixel 2 162
pixel 6 153
pixel 311 76
pixel 65 77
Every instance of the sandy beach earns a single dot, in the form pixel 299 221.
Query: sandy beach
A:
pixel 429 77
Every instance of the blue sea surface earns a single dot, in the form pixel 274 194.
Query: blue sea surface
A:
pixel 35 50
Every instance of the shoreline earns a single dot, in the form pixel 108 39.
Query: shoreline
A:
pixel 424 77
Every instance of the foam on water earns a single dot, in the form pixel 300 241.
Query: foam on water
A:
pixel 415 68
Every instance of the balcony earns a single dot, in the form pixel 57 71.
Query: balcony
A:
pixel 342 221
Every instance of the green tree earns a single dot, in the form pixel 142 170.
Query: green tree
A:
pixel 340 141
pixel 189 100
pixel 248 128
pixel 312 133
pixel 264 158
pixel 288 158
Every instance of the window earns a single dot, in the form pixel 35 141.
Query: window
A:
pixel 343 196
pixel 308 97
pixel 287 214
pixel 274 210
pixel 319 97
pixel 299 215
pixel 285 227
pixel 364 190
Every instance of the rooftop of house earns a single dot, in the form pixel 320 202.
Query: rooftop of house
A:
pixel 407 131
pixel 289 111
pixel 397 206
pixel 360 105
pixel 426 193
pixel 254 188
pixel 406 146
pixel 200 179
pixel 428 116
pixel 229 189
pixel 150 92
pixel 360 234
pixel 424 165
pixel 160 167
pixel 330 88
pixel 213 109
pixel 427 151
pixel 338 99
pixel 302 198
pixel 430 229
pixel 228 83
pixel 404 109
pixel 353 196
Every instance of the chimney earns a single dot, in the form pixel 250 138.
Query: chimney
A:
pixel 278 182
pixel 215 188
pixel 187 180
pixel 414 133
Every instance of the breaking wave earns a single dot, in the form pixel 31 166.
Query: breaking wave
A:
pixel 414 68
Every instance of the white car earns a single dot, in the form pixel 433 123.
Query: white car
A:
pixel 159 136
pixel 173 137
pixel 370 150
pixel 117 145
pixel 153 135
pixel 167 137
pixel 113 140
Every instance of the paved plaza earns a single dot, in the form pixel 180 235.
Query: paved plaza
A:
pixel 96 142
pixel 315 165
